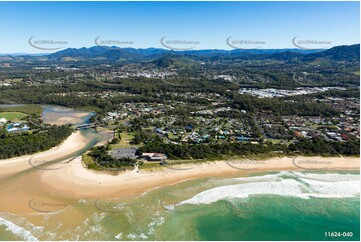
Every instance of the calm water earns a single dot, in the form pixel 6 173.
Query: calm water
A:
pixel 278 206
pixel 65 115
pixel 54 113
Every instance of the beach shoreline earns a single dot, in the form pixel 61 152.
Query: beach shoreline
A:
pixel 73 182
pixel 78 181
pixel 69 179
pixel 71 144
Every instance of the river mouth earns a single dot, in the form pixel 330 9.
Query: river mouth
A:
pixel 59 115
pixel 26 185
pixel 16 173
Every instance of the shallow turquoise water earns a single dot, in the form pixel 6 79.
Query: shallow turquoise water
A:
pixel 278 218
pixel 186 211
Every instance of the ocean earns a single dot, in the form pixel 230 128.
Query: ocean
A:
pixel 263 206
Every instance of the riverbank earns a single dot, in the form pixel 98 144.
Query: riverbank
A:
pixel 75 142
pixel 78 181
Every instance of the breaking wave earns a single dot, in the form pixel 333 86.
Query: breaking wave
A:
pixel 292 184
pixel 17 230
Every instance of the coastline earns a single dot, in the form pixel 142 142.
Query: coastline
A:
pixel 77 179
pixel 69 180
pixel 70 145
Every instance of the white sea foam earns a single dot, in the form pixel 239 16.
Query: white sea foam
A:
pixel 266 178
pixel 334 189
pixel 17 230
pixel 132 236
pixel 157 221
pixel 143 236
pixel 119 236
pixel 292 184
pixel 330 177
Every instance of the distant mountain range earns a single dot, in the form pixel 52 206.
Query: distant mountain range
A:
pixel 114 53
pixel 162 56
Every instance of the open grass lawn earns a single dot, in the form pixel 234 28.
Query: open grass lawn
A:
pixel 124 142
pixel 28 108
pixel 12 116
pixel 274 141
pixel 87 160
pixel 13 80
pixel 172 136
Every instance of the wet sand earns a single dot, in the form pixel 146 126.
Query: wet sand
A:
pixel 72 181
pixel 59 119
pixel 77 181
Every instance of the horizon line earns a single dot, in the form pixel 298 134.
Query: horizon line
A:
pixel 166 49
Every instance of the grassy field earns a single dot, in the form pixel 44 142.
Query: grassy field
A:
pixel 28 109
pixel 13 116
pixel 172 136
pixel 124 142
pixel 274 141
pixel 89 162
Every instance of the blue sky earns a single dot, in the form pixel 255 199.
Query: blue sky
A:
pixel 145 23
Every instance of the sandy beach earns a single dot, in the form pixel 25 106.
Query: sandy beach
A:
pixel 73 143
pixel 77 181
pixel 69 179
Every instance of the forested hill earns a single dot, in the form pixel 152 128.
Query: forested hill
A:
pixel 349 53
